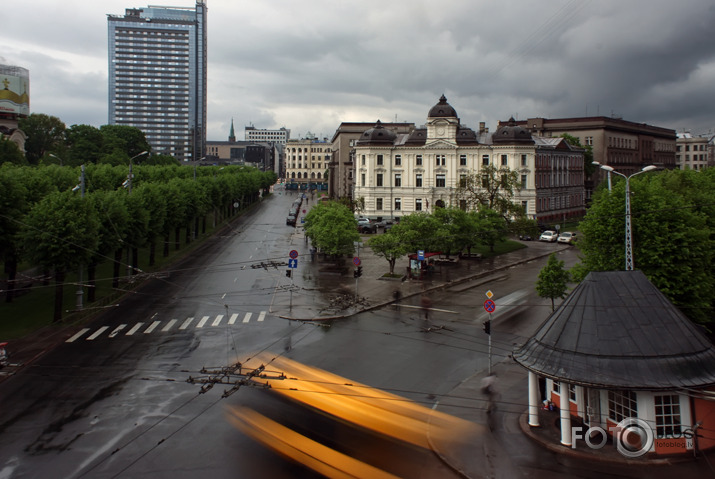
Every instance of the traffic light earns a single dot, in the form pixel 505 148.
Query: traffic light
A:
pixel 358 272
pixel 355 273
pixel 487 326
pixel 288 273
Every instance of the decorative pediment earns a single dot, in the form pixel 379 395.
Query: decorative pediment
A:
pixel 441 144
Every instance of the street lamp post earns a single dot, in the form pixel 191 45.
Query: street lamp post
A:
pixel 57 158
pixel 607 170
pixel 629 232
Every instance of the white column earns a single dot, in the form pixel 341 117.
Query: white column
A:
pixel 565 414
pixel 534 402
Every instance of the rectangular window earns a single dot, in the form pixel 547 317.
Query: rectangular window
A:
pixel 418 160
pixel 362 178
pixel 463 205
pixel 418 204
pixel 503 160
pixel 379 160
pixel 572 392
pixel 378 181
pixel 441 181
pixel 363 160
pixel 622 404
pixel 378 204
pixel 462 160
pixel 485 160
pixel 398 179
pixel 523 181
pixel 525 206
pixel 523 161
pixel 398 204
pixel 667 416
pixel 418 180
pixel 462 180
pixel 556 387
pixel 398 160
pixel 439 160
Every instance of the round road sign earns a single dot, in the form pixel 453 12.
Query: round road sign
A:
pixel 489 306
pixel 356 261
pixel 293 254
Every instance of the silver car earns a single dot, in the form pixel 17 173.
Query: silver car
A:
pixel 549 236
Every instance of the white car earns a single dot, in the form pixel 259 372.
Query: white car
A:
pixel 549 236
pixel 567 237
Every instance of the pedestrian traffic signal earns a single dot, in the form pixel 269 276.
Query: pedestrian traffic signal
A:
pixel 288 273
pixel 487 326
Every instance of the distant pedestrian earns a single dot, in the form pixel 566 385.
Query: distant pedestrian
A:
pixel 489 390
pixel 426 305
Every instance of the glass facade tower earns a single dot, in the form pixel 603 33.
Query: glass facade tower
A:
pixel 157 77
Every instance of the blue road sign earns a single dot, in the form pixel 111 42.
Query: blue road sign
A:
pixel 356 261
pixel 292 263
pixel 293 254
pixel 489 306
pixel 421 255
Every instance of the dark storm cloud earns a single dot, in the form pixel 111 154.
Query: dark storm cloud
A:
pixel 310 65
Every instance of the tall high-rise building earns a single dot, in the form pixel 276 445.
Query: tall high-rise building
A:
pixel 157 76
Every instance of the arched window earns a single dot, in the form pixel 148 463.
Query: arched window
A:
pixel 318 175
pixel 293 175
pixel 312 175
pixel 299 175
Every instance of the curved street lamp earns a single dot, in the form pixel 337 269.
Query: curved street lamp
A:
pixel 629 232
pixel 57 158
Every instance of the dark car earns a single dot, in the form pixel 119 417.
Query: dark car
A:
pixel 366 226
pixel 290 220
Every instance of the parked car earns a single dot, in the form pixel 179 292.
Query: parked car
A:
pixel 385 224
pixel 290 220
pixel 366 226
pixel 567 237
pixel 549 236
pixel 526 238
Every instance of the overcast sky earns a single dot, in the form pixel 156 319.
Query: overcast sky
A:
pixel 309 65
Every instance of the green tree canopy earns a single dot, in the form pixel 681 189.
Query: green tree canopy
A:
pixel 45 133
pixel 332 227
pixel 553 280
pixel 10 153
pixel 672 224
pixel 84 145
pixel 491 187
pixel 126 139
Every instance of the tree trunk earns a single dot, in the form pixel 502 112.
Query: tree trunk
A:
pixel 59 290
pixel 11 270
pixel 117 264
pixel 196 227
pixel 152 251
pixel 188 233
pixel 92 281
pixel 203 225
pixel 392 265
pixel 177 238
pixel 167 240
pixel 135 260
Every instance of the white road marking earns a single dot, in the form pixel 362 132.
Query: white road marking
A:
pixel 79 334
pixel 97 333
pixel 233 318
pixel 116 330
pixel 224 295
pixel 134 329
pixel 186 323
pixel 202 322
pixel 431 309
pixel 247 317
pixel 151 327
pixel 217 321
pixel 169 325
pixel 262 316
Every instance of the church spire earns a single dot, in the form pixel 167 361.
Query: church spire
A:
pixel 232 135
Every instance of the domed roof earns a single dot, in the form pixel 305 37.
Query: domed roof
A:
pixel 442 110
pixel 377 134
pixel 512 133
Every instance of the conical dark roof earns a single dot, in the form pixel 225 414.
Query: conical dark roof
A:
pixel 616 330
pixel 377 135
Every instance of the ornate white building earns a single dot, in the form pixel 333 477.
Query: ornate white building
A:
pixel 399 174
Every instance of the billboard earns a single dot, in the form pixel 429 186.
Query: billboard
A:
pixel 14 90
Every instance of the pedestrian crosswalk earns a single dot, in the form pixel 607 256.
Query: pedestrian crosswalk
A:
pixel 173 324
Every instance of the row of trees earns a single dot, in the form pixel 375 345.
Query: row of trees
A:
pixel 45 221
pixel 331 227
pixel 49 141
